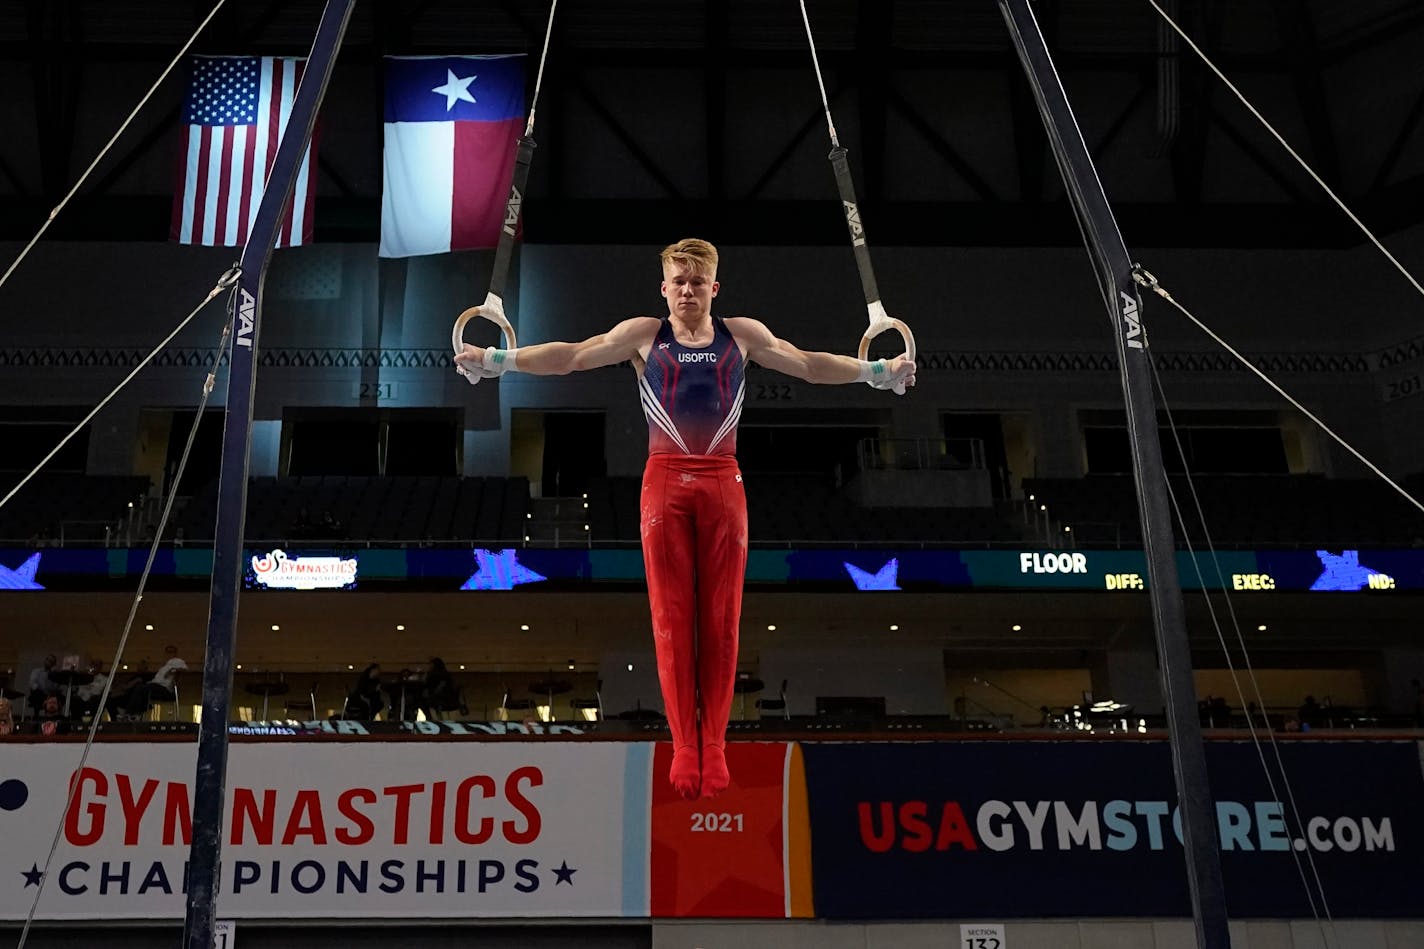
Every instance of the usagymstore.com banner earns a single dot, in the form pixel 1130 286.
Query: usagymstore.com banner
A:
pixel 1070 829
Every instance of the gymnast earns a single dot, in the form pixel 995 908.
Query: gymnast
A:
pixel 691 367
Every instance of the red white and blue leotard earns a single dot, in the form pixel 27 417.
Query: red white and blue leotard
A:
pixel 693 397
pixel 694 528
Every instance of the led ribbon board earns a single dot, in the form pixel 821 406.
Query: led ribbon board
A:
pixel 871 571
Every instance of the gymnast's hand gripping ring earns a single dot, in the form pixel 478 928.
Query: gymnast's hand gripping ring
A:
pixel 493 310
pixel 880 322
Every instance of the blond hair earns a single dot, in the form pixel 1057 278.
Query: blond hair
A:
pixel 697 255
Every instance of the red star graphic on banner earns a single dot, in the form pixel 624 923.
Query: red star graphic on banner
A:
pixel 724 856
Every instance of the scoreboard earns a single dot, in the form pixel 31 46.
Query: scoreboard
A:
pixel 1125 571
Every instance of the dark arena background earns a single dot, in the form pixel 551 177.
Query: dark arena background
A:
pixel 950 723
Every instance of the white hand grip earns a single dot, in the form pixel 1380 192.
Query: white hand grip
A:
pixel 881 323
pixel 493 310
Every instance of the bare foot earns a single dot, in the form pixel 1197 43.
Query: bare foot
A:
pixel 684 772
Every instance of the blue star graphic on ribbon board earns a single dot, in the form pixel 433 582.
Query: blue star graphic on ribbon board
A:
pixel 22 577
pixel 455 89
pixel 564 873
pixel 32 876
pixel 1342 572
pixel 883 579
pixel 500 570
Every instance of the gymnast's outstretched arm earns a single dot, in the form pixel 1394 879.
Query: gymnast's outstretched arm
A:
pixel 622 342
pixel 765 348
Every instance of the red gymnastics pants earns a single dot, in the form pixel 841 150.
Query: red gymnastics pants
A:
pixel 694 525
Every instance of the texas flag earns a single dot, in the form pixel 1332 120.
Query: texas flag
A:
pixel 452 123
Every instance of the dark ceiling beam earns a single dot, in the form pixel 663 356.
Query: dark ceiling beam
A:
pixel 784 223
pixel 1392 208
pixel 227 35
pixel 716 32
pixel 226 22
pixel 56 66
pixel 1030 138
pixel 158 54
pixel 395 31
pixel 14 179
pixel 942 147
pixel 1389 27
pixel 1407 130
pixel 152 137
pixel 551 129
pixel 1169 80
pixel 1030 142
pixel 1248 148
pixel 532 31
pixel 334 175
pixel 1119 122
pixel 1298 31
pixel 630 142
pixel 1195 89
pixel 872 41
pixel 817 119
pixel 415 11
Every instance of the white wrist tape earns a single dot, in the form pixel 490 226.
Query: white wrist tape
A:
pixel 872 371
pixel 500 361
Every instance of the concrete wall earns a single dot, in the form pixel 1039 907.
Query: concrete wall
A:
pixel 999 331
pixel 1040 934
pixel 1019 934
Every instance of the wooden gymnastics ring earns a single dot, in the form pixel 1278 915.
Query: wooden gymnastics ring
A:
pixel 881 322
pixel 493 310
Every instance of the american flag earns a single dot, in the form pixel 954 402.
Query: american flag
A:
pixel 236 110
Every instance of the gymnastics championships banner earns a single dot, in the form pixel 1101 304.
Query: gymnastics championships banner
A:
pixel 451 127
pixel 392 830
pixel 982 830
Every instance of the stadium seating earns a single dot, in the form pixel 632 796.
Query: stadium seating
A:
pixel 791 509
pixel 397 510
pixel 1241 511
pixel 69 508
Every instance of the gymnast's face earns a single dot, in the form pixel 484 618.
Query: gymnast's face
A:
pixel 688 292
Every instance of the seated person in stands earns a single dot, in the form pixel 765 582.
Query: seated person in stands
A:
pixel 303 528
pixel 40 686
pixel 365 701
pixel 439 694
pixel 124 692
pixel 51 717
pixel 140 690
pixel 86 697
pixel 167 675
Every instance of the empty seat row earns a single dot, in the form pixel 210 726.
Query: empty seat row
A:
pixel 391 510
pixel 1247 510
pixel 43 509
pixel 791 509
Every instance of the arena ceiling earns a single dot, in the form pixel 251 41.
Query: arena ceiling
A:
pixel 660 118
